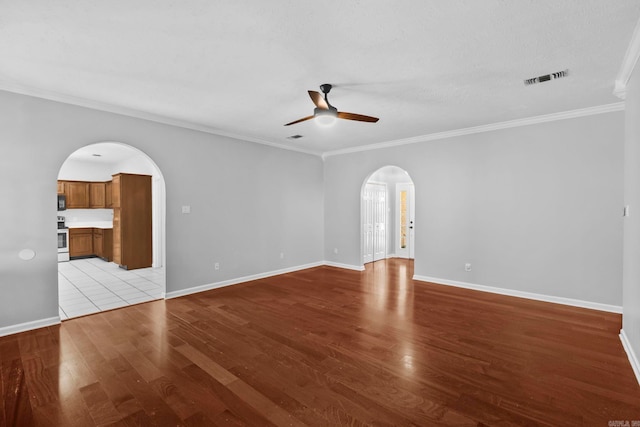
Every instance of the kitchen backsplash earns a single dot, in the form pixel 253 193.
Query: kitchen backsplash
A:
pixel 87 215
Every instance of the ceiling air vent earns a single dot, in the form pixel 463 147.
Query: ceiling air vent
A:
pixel 546 77
pixel 294 137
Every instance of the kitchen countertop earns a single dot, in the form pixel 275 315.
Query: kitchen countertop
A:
pixel 90 224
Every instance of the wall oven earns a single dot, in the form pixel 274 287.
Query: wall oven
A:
pixel 63 240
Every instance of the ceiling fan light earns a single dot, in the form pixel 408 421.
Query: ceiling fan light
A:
pixel 325 120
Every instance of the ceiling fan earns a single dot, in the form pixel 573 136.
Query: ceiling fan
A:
pixel 327 113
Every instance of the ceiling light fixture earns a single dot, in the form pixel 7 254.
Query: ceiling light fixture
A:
pixel 325 118
pixel 326 114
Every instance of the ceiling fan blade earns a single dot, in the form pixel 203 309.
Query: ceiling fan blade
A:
pixel 317 99
pixel 357 117
pixel 300 120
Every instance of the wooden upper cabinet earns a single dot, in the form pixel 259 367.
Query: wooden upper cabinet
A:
pixel 115 191
pixel 86 195
pixel 108 192
pixel 97 195
pixel 77 193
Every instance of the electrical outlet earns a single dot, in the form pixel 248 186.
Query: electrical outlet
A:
pixel 216 266
pixel 281 255
pixel 467 267
pixel 186 209
pixel 335 250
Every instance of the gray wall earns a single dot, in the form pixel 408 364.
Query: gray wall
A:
pixel 534 209
pixel 631 270
pixel 249 202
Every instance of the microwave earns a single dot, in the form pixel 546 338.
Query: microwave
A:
pixel 62 202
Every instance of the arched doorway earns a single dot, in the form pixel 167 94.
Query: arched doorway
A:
pixel 91 281
pixel 387 215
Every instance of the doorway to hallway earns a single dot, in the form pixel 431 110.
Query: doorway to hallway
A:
pixel 387 215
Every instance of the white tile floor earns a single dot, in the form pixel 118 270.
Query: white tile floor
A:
pixel 91 285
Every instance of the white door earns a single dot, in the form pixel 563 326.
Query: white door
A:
pixel 374 222
pixel 380 223
pixel 367 224
pixel 405 214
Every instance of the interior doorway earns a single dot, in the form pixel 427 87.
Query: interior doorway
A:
pixel 374 221
pixel 387 215
pixel 93 282
pixel 405 214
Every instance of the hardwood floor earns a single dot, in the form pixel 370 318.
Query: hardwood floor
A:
pixel 324 347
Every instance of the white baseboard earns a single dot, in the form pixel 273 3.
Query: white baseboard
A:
pixel 346 266
pixel 633 359
pixel 28 326
pixel 522 294
pixel 209 286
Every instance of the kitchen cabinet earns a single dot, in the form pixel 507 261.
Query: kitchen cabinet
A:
pixel 108 199
pixel 86 195
pixel 80 242
pixel 103 243
pixel 97 195
pixel 84 242
pixel 132 230
pixel 77 193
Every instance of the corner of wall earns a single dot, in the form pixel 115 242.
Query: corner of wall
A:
pixel 633 359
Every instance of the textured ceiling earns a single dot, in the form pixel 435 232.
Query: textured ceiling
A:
pixel 243 68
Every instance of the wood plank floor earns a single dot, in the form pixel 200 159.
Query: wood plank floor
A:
pixel 324 347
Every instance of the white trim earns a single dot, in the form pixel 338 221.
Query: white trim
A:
pixel 601 109
pixel 628 64
pixel 345 266
pixel 28 326
pixel 522 294
pixel 633 359
pixel 130 112
pixel 96 105
pixel 208 287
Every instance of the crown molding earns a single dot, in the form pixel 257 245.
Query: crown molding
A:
pixel 608 108
pixel 129 112
pixel 628 64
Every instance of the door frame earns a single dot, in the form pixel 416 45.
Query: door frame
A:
pixel 159 209
pixel 409 251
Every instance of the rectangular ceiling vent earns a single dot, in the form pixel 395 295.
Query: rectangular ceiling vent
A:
pixel 546 77
pixel 294 137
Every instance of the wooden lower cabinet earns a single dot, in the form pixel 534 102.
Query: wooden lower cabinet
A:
pixel 80 242
pixel 84 242
pixel 103 243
